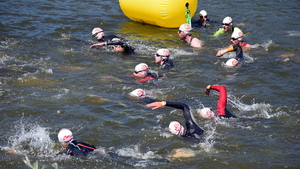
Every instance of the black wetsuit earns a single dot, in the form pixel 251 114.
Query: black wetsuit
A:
pixel 193 130
pixel 127 49
pixel 239 53
pixel 78 148
pixel 167 64
pixel 108 38
pixel 206 23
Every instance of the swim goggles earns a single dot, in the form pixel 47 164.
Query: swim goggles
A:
pixel 227 24
pixel 97 34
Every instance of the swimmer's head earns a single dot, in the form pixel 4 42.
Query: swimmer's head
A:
pixel 65 136
pixel 138 93
pixel 232 62
pixel 186 28
pixel 97 32
pixel 141 68
pixel 237 35
pixel 203 13
pixel 206 113
pixel 163 53
pixel 176 128
pixel 227 21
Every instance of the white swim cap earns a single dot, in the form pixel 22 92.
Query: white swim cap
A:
pixel 164 53
pixel 206 113
pixel 176 128
pixel 141 67
pixel 232 62
pixel 138 93
pixel 227 20
pixel 203 13
pixel 186 28
pixel 237 35
pixel 65 136
pixel 96 32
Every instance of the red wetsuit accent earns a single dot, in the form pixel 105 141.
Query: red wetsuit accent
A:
pixel 222 98
pixel 146 79
pixel 221 106
pixel 245 44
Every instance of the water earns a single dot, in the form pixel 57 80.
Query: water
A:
pixel 47 82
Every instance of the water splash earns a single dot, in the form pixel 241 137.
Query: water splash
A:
pixel 28 138
pixel 293 33
pixel 261 109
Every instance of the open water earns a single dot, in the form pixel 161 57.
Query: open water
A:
pixel 50 79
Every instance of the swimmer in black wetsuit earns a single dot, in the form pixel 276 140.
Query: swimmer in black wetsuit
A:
pixel 162 58
pixel 193 130
pixel 142 73
pixel 236 38
pixel 102 37
pixel 116 42
pixel 203 21
pixel 74 148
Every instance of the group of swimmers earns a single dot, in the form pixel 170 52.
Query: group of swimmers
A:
pixel 162 58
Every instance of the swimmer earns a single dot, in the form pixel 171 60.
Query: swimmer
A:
pixel 141 72
pixel 232 62
pixel 193 130
pixel 236 38
pixel 203 21
pixel 221 106
pixel 226 27
pixel 138 93
pixel 184 33
pixel 74 148
pixel 162 58
pixel 116 45
pixel 100 35
pixel 114 41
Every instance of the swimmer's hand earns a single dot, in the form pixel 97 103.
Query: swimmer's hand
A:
pixel 98 45
pixel 156 105
pixel 220 53
pixel 207 90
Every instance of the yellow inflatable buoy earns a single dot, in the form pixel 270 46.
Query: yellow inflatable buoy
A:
pixel 163 13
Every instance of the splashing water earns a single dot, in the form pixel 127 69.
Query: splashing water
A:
pixel 263 109
pixel 30 139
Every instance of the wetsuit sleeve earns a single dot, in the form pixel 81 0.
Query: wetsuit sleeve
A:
pixel 221 106
pixel 223 51
pixel 222 98
pixel 185 108
pixel 192 128
pixel 230 48
pixel 219 32
pixel 115 43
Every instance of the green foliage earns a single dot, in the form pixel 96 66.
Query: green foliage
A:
pixel 35 165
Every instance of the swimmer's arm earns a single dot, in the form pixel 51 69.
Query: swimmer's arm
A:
pixel 98 45
pixel 219 32
pixel 156 105
pixel 223 51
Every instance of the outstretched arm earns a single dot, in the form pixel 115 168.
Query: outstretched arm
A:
pixel 223 51
pixel 98 45
pixel 156 105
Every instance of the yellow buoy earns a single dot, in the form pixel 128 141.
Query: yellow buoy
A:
pixel 163 13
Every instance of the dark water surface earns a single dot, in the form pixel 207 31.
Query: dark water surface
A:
pixel 46 66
